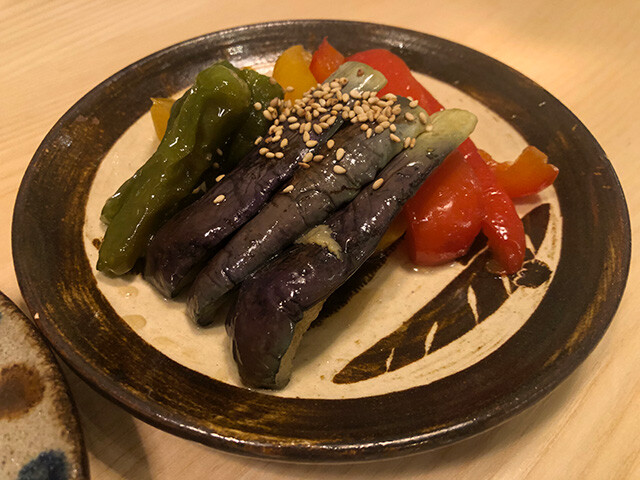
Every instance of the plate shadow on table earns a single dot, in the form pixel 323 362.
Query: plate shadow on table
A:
pixel 110 432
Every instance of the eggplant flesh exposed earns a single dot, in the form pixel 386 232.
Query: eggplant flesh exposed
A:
pixel 276 305
pixel 316 193
pixel 184 243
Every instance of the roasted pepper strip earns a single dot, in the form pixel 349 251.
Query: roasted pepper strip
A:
pixel 325 61
pixel 202 121
pixel 256 124
pixel 500 221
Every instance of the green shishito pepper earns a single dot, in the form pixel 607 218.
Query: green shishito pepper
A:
pixel 256 125
pixel 201 121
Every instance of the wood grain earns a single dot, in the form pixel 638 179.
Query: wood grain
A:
pixel 585 54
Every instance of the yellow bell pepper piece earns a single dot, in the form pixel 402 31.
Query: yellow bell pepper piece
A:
pixel 292 70
pixel 160 111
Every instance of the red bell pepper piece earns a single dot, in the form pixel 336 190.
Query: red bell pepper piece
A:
pixel 325 61
pixel 445 215
pixel 526 175
pixel 500 222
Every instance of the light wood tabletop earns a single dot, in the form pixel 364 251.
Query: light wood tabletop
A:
pixel 585 53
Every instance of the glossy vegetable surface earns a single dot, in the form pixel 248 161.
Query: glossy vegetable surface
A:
pixel 325 61
pixel 316 192
pixel 202 120
pixel 292 72
pixel 277 304
pixel 528 174
pixel 190 238
pixel 445 215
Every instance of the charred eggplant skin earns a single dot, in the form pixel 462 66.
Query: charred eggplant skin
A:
pixel 189 239
pixel 268 318
pixel 317 192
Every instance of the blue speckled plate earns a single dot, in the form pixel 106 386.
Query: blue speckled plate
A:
pixel 40 436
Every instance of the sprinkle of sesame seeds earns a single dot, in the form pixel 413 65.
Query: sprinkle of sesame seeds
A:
pixel 258 140
pixel 377 184
pixel 308 157
pixel 340 153
pixel 311 143
pixel 409 117
pixel 219 177
pixel 394 137
pixel 287 189
pixel 219 199
pixel 339 169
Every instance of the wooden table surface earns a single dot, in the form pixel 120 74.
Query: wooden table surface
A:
pixel 584 53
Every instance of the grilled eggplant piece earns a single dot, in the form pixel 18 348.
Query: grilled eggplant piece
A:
pixel 276 305
pixel 316 193
pixel 184 244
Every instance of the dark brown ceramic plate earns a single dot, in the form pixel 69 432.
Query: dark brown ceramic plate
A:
pixel 579 302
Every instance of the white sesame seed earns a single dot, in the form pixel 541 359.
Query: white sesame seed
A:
pixel 369 132
pixel 219 177
pixel 311 143
pixel 218 151
pixel 394 137
pixel 258 140
pixel 377 184
pixel 345 97
pixel 364 127
pixel 284 143
pixel 429 127
pixel 378 129
pixel 287 189
pixel 304 165
pixel 423 118
pixel 279 154
pixel 413 143
pixel 269 154
pixel 216 165
pixel 317 128
pixel 275 101
pixel 340 153
pixel 392 127
pixel 263 150
pixel 289 89
pixel 267 115
pixel 339 169
pixel 308 157
pixel 331 120
pixel 318 158
pixel 294 126
pixel 219 198
pixel 331 143
pixel 272 81
pixel 409 117
pixel 413 103
pixel 407 142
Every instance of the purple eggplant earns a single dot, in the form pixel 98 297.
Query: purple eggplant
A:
pixel 184 243
pixel 312 196
pixel 276 305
